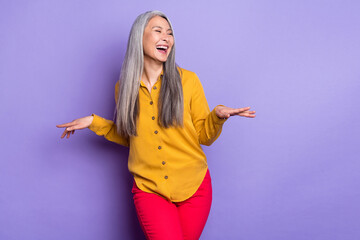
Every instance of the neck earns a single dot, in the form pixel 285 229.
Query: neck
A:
pixel 151 72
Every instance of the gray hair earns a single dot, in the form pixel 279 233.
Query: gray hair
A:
pixel 170 103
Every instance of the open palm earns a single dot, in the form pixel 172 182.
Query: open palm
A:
pixel 79 123
pixel 226 112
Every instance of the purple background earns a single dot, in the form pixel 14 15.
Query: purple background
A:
pixel 291 173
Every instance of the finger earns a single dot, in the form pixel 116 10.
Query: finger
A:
pixel 72 131
pixel 248 112
pixel 68 134
pixel 243 109
pixel 65 125
pixel 72 128
pixel 231 112
pixel 64 133
pixel 239 110
pixel 247 115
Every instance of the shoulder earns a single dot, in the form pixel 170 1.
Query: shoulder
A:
pixel 186 74
pixel 189 78
pixel 191 82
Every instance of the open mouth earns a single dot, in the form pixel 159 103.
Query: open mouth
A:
pixel 162 49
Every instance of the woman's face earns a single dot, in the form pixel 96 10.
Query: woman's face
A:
pixel 158 39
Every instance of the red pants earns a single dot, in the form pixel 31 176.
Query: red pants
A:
pixel 162 219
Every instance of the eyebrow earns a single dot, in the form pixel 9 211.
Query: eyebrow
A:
pixel 161 28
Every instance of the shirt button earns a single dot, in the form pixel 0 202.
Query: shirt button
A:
pixel 163 162
pixel 151 102
pixel 153 118
pixel 155 87
pixel 166 177
pixel 156 132
pixel 159 147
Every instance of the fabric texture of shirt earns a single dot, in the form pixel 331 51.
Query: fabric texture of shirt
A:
pixel 167 161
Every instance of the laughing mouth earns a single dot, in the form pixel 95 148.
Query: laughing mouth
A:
pixel 162 48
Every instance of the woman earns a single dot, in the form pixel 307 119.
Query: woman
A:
pixel 162 116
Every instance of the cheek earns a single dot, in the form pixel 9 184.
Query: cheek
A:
pixel 148 48
pixel 148 43
pixel 171 42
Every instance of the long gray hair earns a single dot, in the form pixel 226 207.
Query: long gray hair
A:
pixel 170 103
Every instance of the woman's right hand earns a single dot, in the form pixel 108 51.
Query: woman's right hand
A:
pixel 79 123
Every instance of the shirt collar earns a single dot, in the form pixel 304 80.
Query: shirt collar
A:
pixel 159 78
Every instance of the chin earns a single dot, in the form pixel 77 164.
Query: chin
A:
pixel 162 59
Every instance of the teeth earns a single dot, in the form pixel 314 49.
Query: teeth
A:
pixel 162 47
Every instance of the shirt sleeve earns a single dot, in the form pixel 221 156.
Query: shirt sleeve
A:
pixel 208 126
pixel 107 128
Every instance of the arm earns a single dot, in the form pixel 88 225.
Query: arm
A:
pixel 99 125
pixel 207 124
pixel 107 128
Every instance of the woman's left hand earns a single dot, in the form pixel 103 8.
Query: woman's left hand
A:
pixel 226 112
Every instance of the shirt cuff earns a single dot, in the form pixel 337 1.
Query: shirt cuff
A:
pixel 98 123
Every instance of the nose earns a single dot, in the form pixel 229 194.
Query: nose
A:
pixel 165 37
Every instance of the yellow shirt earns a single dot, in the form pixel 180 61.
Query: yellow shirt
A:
pixel 168 161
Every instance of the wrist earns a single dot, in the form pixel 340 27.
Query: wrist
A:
pixel 90 120
pixel 217 113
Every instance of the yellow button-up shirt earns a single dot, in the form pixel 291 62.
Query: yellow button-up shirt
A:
pixel 168 161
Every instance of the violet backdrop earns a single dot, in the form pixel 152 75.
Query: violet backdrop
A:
pixel 290 173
